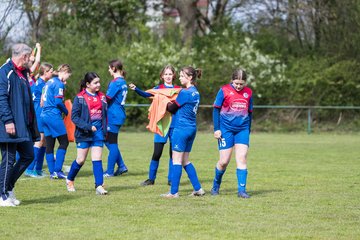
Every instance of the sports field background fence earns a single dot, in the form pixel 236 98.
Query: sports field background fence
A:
pixel 280 118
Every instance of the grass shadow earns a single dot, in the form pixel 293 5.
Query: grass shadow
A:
pixel 231 191
pixel 51 200
pixel 123 188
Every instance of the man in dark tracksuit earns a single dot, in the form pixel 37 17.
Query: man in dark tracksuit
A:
pixel 18 128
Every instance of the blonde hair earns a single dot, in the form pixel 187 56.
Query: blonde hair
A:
pixel 63 68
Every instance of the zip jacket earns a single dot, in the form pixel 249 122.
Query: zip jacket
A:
pixel 80 116
pixel 16 105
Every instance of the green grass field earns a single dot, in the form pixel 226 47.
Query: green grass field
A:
pixel 302 187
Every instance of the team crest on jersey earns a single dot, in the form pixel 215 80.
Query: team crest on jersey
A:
pixel 61 91
pixel 231 93
pixel 246 95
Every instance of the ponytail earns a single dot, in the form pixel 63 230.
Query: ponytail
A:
pixel 194 73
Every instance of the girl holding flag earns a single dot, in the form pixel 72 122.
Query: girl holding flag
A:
pixel 167 75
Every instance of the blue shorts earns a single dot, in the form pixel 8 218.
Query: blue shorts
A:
pixel 159 139
pixel 113 128
pixel 183 139
pixel 89 144
pixel 53 126
pixel 230 138
pixel 39 120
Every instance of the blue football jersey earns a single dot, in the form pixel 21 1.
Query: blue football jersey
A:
pixel 53 89
pixel 116 93
pixel 235 107
pixel 36 90
pixel 188 100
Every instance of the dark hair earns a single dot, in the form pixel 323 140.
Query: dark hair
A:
pixel 44 67
pixel 239 74
pixel 88 78
pixel 192 72
pixel 118 66
pixel 168 67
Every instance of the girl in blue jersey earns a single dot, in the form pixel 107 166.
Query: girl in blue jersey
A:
pixel 184 111
pixel 53 124
pixel 89 116
pixel 35 168
pixel 232 116
pixel 167 75
pixel 116 96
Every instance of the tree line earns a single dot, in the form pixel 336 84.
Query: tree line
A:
pixel 296 52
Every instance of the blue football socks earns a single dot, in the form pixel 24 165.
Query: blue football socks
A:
pixel 98 172
pixel 241 177
pixel 75 168
pixel 120 160
pixel 175 180
pixel 170 169
pixel 153 169
pixel 50 162
pixel 33 163
pixel 191 172
pixel 40 159
pixel 113 156
pixel 218 177
pixel 60 158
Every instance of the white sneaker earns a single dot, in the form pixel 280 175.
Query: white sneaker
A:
pixel 6 203
pixel 169 195
pixel 100 190
pixel 198 193
pixel 13 198
pixel 70 185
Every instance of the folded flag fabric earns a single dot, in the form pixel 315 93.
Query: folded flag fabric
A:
pixel 159 118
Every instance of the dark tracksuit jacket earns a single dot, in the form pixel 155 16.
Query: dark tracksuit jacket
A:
pixel 80 116
pixel 16 106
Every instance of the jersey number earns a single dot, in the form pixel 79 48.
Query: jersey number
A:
pixel 222 142
pixel 124 93
pixel 196 106
pixel 45 92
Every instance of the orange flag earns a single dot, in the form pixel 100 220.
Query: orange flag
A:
pixel 69 125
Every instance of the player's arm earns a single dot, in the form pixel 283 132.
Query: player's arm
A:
pixel 250 110
pixel 37 58
pixel 172 107
pixel 216 113
pixel 76 116
pixel 139 91
pixel 59 99
pixel 112 91
pixel 60 105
